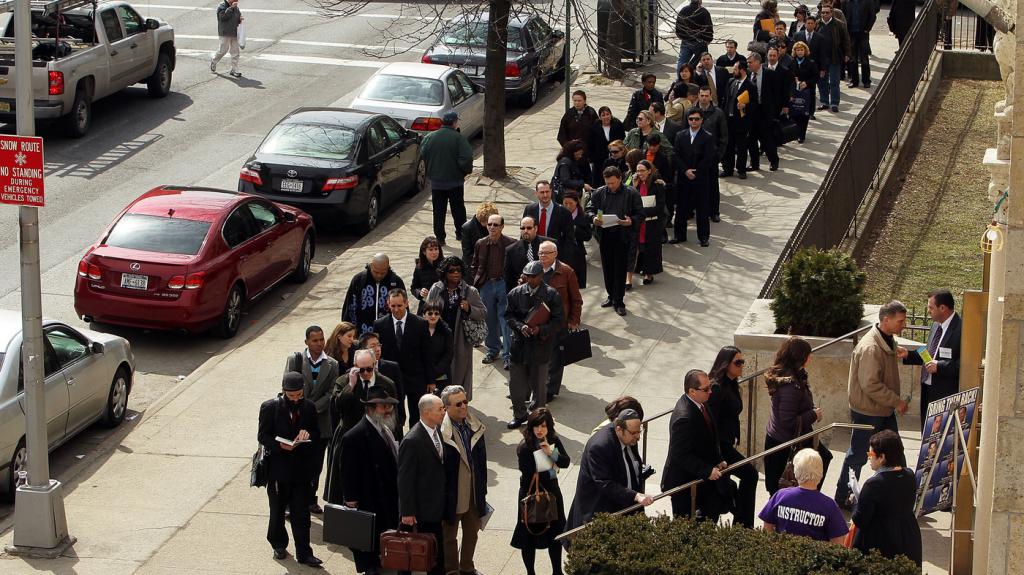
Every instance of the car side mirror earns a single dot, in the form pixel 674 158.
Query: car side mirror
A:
pixel 478 88
pixel 557 34
pixel 290 217
pixel 152 23
pixel 96 347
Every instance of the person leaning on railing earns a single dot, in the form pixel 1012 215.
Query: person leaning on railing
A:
pixel 803 510
pixel 726 405
pixel 793 411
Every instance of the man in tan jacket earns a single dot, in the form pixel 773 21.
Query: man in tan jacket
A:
pixel 874 389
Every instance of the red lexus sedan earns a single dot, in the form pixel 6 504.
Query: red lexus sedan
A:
pixel 190 259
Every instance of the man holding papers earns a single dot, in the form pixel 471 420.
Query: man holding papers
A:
pixel 940 376
pixel 736 100
pixel 617 210
pixel 534 317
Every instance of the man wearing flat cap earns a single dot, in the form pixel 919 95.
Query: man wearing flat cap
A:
pixel 534 316
pixel 369 471
pixel 449 159
pixel 288 428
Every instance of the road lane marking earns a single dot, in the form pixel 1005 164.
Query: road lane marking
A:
pixel 307 43
pixel 297 59
pixel 289 12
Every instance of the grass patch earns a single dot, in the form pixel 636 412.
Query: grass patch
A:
pixel 930 236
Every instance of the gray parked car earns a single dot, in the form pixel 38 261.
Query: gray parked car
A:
pixel 88 376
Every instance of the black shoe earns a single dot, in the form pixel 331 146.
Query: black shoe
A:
pixel 516 423
pixel 280 553
pixel 316 509
pixel 799 140
pixel 607 303
pixel 716 218
pixel 742 175
pixel 311 561
pixel 550 397
pixel 867 85
pixel 648 281
pixel 853 85
pixel 724 174
pixel 822 107
pixel 488 359
pixel 621 310
pixel 753 168
pixel 674 242
pixel 704 243
pixel 774 166
pixel 629 286
pixel 835 109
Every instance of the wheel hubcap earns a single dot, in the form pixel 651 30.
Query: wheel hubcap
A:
pixel 83 115
pixel 421 175
pixel 306 255
pixel 534 89
pixel 234 305
pixel 120 399
pixel 20 461
pixel 372 215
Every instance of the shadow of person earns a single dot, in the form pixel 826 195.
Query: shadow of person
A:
pixel 244 82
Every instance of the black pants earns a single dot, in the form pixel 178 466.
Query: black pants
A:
pixel 367 561
pixel 860 51
pixel 438 532
pixel 320 451
pixel 743 510
pixel 761 133
pixel 681 504
pixel 736 149
pixel 613 263
pixel 294 497
pixel 554 552
pixel 555 367
pixel 695 197
pixel 775 464
pixel 441 199
pixel 715 205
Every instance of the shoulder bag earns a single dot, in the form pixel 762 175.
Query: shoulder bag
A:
pixel 539 506
pixel 259 473
pixel 474 330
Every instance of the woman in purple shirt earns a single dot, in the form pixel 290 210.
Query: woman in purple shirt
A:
pixel 803 510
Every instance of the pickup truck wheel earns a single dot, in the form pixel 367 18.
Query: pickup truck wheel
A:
pixel 159 84
pixel 77 122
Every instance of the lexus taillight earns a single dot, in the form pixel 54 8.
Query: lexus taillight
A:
pixel 56 83
pixel 193 281
pixel 426 124
pixel 342 183
pixel 426 59
pixel 250 175
pixel 91 271
pixel 512 70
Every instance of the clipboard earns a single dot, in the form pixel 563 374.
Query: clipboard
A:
pixel 649 201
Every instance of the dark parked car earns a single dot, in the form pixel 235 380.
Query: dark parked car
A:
pixel 346 165
pixel 536 52
pixel 190 259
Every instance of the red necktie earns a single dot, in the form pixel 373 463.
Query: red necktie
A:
pixel 543 222
pixel 707 418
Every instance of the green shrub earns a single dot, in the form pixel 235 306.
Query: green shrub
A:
pixel 639 545
pixel 821 293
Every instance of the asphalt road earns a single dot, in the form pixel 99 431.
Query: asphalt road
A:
pixel 198 135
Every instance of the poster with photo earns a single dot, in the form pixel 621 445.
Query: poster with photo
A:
pixel 935 466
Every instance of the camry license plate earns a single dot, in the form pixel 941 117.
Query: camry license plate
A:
pixel 5 106
pixel 134 281
pixel 288 185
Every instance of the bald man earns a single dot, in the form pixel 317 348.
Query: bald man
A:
pixel 367 297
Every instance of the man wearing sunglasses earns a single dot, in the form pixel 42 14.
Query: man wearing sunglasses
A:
pixel 522 252
pixel 354 388
pixel 488 271
pixel 465 479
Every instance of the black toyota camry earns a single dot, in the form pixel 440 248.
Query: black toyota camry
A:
pixel 342 166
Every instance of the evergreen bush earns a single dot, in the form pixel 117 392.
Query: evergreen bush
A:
pixel 821 293
pixel 639 545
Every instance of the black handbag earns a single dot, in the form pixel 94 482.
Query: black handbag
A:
pixel 575 346
pixel 259 474
pixel 800 104
pixel 785 130
pixel 539 506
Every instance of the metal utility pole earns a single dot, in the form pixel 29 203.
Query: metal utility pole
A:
pixel 568 55
pixel 40 527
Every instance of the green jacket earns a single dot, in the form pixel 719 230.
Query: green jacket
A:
pixel 448 156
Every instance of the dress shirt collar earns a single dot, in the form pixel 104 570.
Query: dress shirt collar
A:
pixel 945 325
pixel 321 357
pixel 699 406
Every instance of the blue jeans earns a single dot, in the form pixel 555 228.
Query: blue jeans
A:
pixel 828 87
pixel 857 454
pixel 688 52
pixel 496 300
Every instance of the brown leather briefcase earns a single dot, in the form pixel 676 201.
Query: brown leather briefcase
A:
pixel 407 551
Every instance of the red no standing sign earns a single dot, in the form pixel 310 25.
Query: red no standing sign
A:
pixel 21 170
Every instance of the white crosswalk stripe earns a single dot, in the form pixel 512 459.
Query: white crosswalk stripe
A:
pixel 295 59
pixel 147 8
pixel 305 43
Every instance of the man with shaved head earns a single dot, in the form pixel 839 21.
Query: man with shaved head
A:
pixel 367 297
pixel 421 479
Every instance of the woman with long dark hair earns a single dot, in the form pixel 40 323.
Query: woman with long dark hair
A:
pixel 574 250
pixel 572 172
pixel 340 345
pixel 648 259
pixel 726 405
pixel 602 134
pixel 884 515
pixel 425 273
pixel 539 435
pixel 793 411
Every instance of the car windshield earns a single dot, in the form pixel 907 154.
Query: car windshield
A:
pixel 166 235
pixel 474 35
pixel 389 88
pixel 311 141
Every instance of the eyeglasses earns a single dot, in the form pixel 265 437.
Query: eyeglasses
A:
pixel 455 271
pixel 526 227
pixel 429 313
pixel 740 362
pixel 704 389
pixel 546 253
pixel 462 403
pixel 641 170
pixel 365 370
pixel 695 119
pixel 490 225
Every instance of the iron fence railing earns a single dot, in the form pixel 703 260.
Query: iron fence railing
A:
pixel 965 31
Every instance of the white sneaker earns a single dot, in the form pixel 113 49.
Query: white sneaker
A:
pixel 235 73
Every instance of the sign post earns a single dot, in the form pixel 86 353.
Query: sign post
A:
pixel 40 527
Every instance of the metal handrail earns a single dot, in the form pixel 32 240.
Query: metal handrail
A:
pixel 729 468
pixel 750 392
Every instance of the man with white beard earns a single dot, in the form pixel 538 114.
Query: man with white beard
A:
pixel 369 470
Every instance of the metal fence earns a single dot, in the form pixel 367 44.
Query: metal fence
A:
pixel 827 220
pixel 965 31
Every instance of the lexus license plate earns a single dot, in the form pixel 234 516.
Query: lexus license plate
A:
pixel 288 185
pixel 134 281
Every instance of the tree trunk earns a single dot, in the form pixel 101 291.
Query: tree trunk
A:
pixel 494 89
pixel 613 62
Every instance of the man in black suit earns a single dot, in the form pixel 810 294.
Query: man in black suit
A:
pixel 810 36
pixel 940 377
pixel 553 220
pixel 785 82
pixel 354 387
pixel 404 339
pixel 693 451
pixel 664 125
pixel 611 472
pixel 390 370
pixel 369 470
pixel 421 476
pixel 714 77
pixel 291 466
pixel 522 252
pixel 763 110
pixel 695 161
pixel 738 118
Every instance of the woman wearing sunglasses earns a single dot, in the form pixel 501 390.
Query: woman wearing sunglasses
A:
pixel 726 405
pixel 439 343
pixel 457 301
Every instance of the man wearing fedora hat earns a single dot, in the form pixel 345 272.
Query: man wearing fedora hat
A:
pixel 532 339
pixel 292 465
pixel 369 471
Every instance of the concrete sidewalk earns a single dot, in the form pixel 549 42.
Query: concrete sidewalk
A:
pixel 173 497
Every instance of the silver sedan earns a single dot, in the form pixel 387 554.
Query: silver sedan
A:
pixel 88 376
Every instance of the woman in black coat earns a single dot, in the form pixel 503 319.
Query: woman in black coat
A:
pixel 572 173
pixel 574 249
pixel 884 514
pixel 425 274
pixel 440 343
pixel 603 133
pixel 539 434
pixel 648 259
pixel 726 405
pixel 805 72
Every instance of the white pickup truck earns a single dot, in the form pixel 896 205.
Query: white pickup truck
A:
pixel 84 50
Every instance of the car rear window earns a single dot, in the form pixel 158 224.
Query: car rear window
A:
pixel 311 141
pixel 390 88
pixel 158 234
pixel 474 35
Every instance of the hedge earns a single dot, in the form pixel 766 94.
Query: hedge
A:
pixel 639 545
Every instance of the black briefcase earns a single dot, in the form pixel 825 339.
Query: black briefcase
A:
pixel 349 527
pixel 785 130
pixel 575 346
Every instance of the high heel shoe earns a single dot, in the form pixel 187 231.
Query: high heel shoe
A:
pixel 629 286
pixel 648 281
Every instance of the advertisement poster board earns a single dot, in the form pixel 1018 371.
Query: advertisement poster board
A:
pixel 935 465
